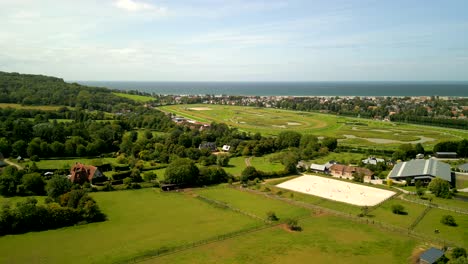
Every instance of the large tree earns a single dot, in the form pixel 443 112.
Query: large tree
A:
pixel 181 171
pixel 440 188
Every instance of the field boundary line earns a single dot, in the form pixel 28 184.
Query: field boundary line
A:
pixel 355 218
pixel 429 204
pixel 230 207
pixel 164 251
pixel 420 217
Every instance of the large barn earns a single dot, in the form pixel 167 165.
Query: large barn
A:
pixel 424 170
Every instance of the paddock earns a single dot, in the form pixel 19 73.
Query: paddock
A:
pixel 336 190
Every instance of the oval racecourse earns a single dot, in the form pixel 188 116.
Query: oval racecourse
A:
pixel 337 190
pixel 351 132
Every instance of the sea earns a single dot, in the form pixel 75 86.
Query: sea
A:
pixel 444 89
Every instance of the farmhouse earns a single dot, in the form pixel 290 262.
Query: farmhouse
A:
pixel 430 256
pixel 372 160
pixel 348 172
pixel 208 145
pixel 81 173
pixel 424 170
pixel 446 155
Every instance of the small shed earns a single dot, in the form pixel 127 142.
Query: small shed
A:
pixel 226 148
pixel 430 256
pixel 446 155
pixel 372 160
pixel 420 156
pixel 463 168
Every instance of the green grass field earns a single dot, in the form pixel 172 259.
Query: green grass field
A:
pixel 351 131
pixel 324 239
pixel 138 221
pixel 384 213
pixel 33 107
pixel 134 97
pixel 238 164
pixel 54 164
pixel 431 221
pixel 262 205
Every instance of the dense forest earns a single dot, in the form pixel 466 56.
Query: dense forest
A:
pixel 30 89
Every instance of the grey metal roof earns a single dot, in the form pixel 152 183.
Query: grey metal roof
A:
pixel 446 153
pixel 317 167
pixel 429 167
pixel 431 255
pixel 463 167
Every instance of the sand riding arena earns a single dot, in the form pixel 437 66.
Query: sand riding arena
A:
pixel 341 191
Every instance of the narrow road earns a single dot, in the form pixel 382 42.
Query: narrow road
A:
pixel 13 164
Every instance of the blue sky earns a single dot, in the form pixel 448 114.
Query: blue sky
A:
pixel 235 40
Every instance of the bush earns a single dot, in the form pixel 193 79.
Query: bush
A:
pixel 398 209
pixel 57 186
pixel 458 252
pixel 149 176
pixel 293 225
pixel 271 216
pixel 108 187
pixel 440 188
pixel 448 220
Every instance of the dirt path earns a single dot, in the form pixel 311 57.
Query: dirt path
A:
pixel 247 161
pixel 13 164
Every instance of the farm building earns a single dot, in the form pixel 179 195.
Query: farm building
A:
pixel 208 145
pixel 431 256
pixel 424 170
pixel 463 168
pixel 318 168
pixel 81 173
pixel 372 160
pixel 329 164
pixel 348 172
pixel 446 155
pixel 226 148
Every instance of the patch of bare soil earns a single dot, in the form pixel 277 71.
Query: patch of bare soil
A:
pixel 286 228
pixel 414 259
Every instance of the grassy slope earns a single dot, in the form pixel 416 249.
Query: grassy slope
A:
pixel 134 97
pixel 138 221
pixel 324 239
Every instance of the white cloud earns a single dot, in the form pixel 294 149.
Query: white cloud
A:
pixel 137 6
